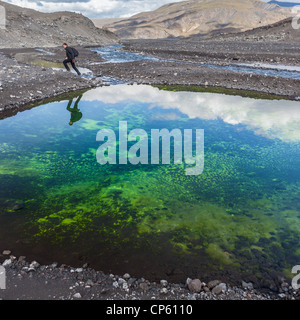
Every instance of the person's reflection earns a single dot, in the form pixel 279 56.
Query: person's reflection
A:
pixel 76 115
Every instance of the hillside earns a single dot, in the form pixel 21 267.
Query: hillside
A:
pixel 280 31
pixel 199 17
pixel 30 28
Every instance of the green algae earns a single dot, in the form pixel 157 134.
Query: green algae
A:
pixel 243 205
pixel 32 58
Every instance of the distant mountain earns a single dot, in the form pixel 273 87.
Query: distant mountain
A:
pixel 280 31
pixel 285 4
pixel 199 17
pixel 31 28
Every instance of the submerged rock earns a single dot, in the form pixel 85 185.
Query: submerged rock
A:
pixel 18 206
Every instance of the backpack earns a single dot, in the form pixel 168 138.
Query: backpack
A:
pixel 76 53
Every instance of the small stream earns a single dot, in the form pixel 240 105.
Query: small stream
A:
pixel 115 54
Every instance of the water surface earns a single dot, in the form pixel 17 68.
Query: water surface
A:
pixel 237 220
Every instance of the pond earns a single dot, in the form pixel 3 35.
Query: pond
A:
pixel 238 219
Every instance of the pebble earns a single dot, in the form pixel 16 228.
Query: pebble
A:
pixel 125 286
pixel 144 286
pixel 77 295
pixel 34 265
pixel 195 285
pixel 164 283
pixel 188 280
pixel 213 283
pixel 248 285
pixel 6 252
pixel 7 263
pixel 121 281
pixel 126 276
pixel 219 288
pixel 164 291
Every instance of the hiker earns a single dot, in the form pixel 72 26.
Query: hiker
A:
pixel 70 58
pixel 76 115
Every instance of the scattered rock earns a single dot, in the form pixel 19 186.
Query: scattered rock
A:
pixel 164 283
pixel 143 286
pixel 213 283
pixel 206 289
pixel 126 276
pixel 248 285
pixel 34 265
pixel 131 281
pixel 195 286
pixel 125 286
pixel 121 281
pixel 21 258
pixel 6 252
pixel 7 263
pixel 188 280
pixel 77 295
pixel 164 291
pixel 219 288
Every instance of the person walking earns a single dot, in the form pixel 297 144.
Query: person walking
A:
pixel 70 58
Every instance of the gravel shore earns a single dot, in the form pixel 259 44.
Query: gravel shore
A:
pixel 32 281
pixel 27 79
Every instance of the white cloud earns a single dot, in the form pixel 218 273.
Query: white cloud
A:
pixel 270 118
pixel 94 8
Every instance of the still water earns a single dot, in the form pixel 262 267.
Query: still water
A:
pixel 238 220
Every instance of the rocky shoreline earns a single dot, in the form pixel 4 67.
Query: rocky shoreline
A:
pixel 25 84
pixel 31 75
pixel 32 281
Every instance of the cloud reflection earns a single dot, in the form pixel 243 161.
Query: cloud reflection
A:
pixel 271 118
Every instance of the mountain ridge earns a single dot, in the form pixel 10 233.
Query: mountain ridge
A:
pixel 31 28
pixel 186 18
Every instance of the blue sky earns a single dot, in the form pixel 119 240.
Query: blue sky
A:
pixel 99 8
